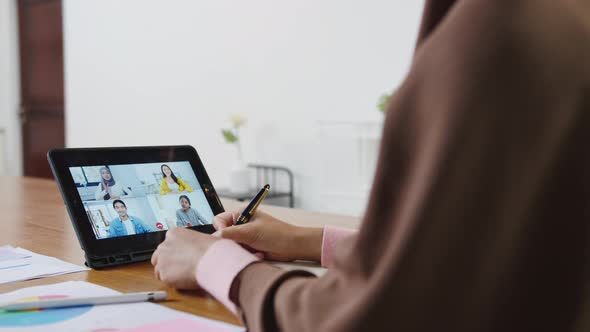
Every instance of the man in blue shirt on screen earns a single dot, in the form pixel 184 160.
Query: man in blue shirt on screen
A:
pixel 125 224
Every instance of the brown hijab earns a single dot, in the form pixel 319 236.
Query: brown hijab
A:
pixel 478 217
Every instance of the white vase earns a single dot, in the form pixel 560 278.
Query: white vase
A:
pixel 239 178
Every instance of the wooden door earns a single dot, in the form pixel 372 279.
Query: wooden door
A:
pixel 42 82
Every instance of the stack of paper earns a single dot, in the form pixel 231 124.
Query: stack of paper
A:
pixel 128 317
pixel 17 264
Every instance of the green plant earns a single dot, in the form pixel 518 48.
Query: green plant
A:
pixel 229 136
pixel 232 135
pixel 383 102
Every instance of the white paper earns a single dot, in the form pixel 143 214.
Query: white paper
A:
pixel 8 253
pixel 90 318
pixel 18 264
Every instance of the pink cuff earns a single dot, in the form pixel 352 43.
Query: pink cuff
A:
pixel 331 236
pixel 218 268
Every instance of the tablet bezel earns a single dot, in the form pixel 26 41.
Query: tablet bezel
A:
pixel 62 159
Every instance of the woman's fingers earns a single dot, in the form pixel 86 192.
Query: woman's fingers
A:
pixel 226 219
pixel 243 234
pixel 222 220
pixel 155 257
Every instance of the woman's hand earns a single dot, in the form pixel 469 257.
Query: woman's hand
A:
pixel 175 260
pixel 276 239
pixel 105 186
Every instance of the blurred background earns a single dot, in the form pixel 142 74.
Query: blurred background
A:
pixel 304 77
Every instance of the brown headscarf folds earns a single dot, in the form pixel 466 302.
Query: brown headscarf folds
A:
pixel 478 216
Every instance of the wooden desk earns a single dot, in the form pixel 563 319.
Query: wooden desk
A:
pixel 34 217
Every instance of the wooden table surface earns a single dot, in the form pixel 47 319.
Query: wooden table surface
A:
pixel 34 217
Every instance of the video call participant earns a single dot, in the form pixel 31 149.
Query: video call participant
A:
pixel 125 224
pixel 109 188
pixel 186 216
pixel 172 184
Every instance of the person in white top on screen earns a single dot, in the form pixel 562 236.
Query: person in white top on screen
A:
pixel 186 216
pixel 108 188
pixel 125 224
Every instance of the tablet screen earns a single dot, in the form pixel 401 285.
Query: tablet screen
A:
pixel 123 200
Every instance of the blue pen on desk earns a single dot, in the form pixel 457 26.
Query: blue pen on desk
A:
pixel 251 208
pixel 85 301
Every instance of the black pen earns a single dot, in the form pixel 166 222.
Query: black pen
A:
pixel 251 208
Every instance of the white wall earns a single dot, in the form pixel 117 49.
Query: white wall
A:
pixel 10 140
pixel 143 72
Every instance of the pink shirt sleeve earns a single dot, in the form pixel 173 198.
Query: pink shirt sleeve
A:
pixel 225 259
pixel 219 266
pixel 331 236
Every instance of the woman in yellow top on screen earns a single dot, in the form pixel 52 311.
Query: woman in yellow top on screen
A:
pixel 172 184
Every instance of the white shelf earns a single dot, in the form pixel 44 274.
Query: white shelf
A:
pixel 349 151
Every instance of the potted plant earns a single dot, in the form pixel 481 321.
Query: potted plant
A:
pixel 239 176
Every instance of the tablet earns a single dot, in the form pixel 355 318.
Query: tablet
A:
pixel 121 201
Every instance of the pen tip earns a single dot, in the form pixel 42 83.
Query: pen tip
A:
pixel 267 186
